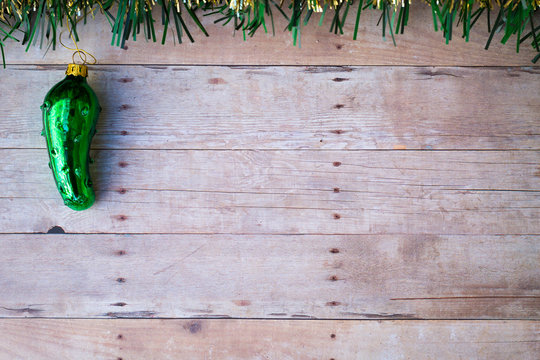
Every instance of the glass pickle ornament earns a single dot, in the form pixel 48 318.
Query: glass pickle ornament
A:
pixel 70 112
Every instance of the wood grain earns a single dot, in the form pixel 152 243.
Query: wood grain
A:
pixel 279 192
pixel 235 339
pixel 270 276
pixel 215 107
pixel 420 45
pixel 367 213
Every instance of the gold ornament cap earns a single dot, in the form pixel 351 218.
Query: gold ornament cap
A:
pixel 77 70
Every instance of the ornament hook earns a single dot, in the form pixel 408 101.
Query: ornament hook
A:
pixel 76 50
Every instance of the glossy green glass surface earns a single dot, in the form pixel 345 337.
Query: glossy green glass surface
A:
pixel 70 112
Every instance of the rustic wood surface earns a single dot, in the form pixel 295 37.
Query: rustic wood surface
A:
pixel 271 276
pixel 282 192
pixel 419 45
pixel 368 212
pixel 270 339
pixel 430 108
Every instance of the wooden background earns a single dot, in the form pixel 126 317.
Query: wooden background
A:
pixel 345 200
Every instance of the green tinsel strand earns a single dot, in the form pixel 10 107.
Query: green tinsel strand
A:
pixel 358 12
pixel 39 20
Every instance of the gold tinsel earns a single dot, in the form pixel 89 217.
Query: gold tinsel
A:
pixel 318 5
pixel 25 6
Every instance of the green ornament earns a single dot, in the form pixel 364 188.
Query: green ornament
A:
pixel 70 112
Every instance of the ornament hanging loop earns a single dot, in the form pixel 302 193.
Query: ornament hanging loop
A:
pixel 81 53
pixel 82 56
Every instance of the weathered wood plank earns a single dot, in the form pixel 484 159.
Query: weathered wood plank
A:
pixel 240 339
pixel 290 107
pixel 270 276
pixel 314 192
pixel 420 45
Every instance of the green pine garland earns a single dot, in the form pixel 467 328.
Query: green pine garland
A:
pixel 40 21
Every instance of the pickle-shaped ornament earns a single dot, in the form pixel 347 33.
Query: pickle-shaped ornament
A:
pixel 70 112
